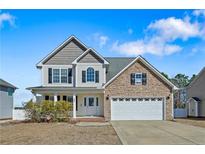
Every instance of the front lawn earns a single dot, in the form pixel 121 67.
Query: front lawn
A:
pixel 56 133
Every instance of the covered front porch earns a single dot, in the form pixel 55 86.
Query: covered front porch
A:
pixel 87 102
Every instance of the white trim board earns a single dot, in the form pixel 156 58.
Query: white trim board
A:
pixel 87 51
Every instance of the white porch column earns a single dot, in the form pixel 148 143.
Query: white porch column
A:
pixel 74 105
pixel 55 98
pixel 34 98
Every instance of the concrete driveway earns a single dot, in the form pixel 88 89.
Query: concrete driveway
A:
pixel 158 132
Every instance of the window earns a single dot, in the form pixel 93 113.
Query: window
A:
pixel 70 99
pixel 64 98
pixel 64 77
pixel 134 99
pixel 52 98
pixel 60 75
pixel 90 74
pixel 56 75
pixel 140 99
pixel 138 78
pixel 47 97
pixel 159 99
pixel 127 99
pixel 121 99
pixel 91 101
pixel 146 99
pixel 153 99
pixel 58 98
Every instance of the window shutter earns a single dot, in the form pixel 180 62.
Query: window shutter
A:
pixel 83 76
pixel 97 76
pixel 97 101
pixel 76 103
pixel 144 78
pixel 70 73
pixel 132 78
pixel 49 75
pixel 85 101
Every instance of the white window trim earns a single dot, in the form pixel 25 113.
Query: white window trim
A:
pixel 87 101
pixel 138 83
pixel 94 102
pixel 87 77
pixel 64 76
pixel 60 76
pixel 53 76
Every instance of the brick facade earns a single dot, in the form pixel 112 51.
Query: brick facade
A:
pixel 121 86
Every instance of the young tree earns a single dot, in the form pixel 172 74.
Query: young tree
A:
pixel 180 80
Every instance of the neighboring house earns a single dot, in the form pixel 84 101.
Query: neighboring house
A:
pixel 196 95
pixel 115 88
pixel 6 99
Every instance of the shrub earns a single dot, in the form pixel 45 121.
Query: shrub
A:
pixel 48 111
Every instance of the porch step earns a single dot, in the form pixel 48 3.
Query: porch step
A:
pixel 87 119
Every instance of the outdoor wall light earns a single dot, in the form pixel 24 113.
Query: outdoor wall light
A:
pixel 107 97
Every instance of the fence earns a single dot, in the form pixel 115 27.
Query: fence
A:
pixel 180 112
pixel 19 114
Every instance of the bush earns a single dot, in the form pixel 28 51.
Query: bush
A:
pixel 46 111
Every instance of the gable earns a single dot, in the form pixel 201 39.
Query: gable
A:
pixel 90 57
pixel 66 54
pixel 154 83
pixel 148 65
pixel 197 87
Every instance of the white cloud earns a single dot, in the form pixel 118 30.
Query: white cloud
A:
pixel 103 40
pixel 160 37
pixel 6 17
pixel 199 12
pixel 100 39
pixel 173 28
pixel 130 31
pixel 140 47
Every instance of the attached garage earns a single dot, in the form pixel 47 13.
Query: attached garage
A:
pixel 137 108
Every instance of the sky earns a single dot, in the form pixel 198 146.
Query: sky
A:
pixel 171 40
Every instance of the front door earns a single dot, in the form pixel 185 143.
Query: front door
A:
pixel 91 105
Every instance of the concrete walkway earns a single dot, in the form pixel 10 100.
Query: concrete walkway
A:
pixel 158 132
pixel 94 124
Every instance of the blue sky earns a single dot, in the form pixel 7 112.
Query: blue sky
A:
pixel 172 40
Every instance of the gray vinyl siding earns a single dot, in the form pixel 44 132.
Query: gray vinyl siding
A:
pixel 90 58
pixel 66 55
pixel 197 89
pixel 6 105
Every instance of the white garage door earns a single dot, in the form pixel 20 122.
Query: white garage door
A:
pixel 137 109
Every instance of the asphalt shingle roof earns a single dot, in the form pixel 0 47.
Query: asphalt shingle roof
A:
pixel 116 64
pixel 6 84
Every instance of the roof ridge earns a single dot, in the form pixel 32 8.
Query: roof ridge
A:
pixel 120 57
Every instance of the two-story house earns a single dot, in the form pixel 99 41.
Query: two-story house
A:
pixel 117 88
pixel 196 95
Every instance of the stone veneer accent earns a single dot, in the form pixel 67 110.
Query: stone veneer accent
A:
pixel 121 86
